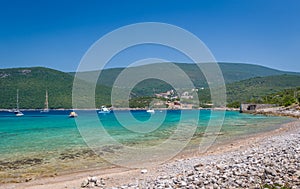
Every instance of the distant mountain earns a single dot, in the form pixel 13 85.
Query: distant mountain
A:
pixel 238 71
pixel 232 72
pixel 32 84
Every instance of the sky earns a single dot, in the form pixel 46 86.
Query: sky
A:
pixel 56 34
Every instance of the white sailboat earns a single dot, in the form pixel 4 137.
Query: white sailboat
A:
pixel 46 109
pixel 17 111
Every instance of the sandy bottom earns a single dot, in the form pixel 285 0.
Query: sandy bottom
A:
pixel 116 176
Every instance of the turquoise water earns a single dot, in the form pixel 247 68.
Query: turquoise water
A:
pixel 54 139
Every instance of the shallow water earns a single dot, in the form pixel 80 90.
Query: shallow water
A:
pixel 50 143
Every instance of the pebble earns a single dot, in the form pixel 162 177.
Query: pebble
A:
pixel 85 183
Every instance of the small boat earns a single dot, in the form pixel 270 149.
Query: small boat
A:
pixel 150 111
pixel 73 114
pixel 17 111
pixel 19 114
pixel 104 110
pixel 46 109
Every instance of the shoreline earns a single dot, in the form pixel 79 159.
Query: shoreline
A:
pixel 291 111
pixel 123 109
pixel 116 176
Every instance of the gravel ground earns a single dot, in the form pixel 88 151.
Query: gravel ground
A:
pixel 274 162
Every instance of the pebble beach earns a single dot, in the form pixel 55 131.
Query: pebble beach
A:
pixel 271 162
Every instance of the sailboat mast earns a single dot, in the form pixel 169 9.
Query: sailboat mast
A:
pixel 17 99
pixel 46 102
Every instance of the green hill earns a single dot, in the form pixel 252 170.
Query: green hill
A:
pixel 32 84
pixel 255 89
pixel 285 97
pixel 245 82
pixel 235 71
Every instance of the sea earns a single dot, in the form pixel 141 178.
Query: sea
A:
pixel 48 144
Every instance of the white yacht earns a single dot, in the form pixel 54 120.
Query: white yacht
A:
pixel 73 114
pixel 152 111
pixel 104 109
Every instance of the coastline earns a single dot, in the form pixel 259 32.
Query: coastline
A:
pixel 123 109
pixel 116 176
pixel 281 111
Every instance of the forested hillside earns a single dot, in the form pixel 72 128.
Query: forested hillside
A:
pixel 32 84
pixel 244 82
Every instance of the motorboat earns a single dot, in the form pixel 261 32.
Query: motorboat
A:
pixel 104 110
pixel 152 111
pixel 73 114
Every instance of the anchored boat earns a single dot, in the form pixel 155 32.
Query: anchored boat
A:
pixel 104 110
pixel 46 109
pixel 17 110
pixel 73 114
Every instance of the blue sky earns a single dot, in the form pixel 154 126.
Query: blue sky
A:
pixel 56 34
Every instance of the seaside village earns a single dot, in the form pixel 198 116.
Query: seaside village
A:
pixel 172 99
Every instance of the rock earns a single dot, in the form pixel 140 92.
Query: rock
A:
pixel 93 179
pixel 196 182
pixel 189 173
pixel 278 182
pixel 270 171
pixel 215 186
pixel 239 182
pixel 220 167
pixel 144 171
pixel 198 167
pixel 99 183
pixel 190 178
pixel 85 183
pixel 183 184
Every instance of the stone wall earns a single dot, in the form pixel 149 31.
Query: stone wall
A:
pixel 253 107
